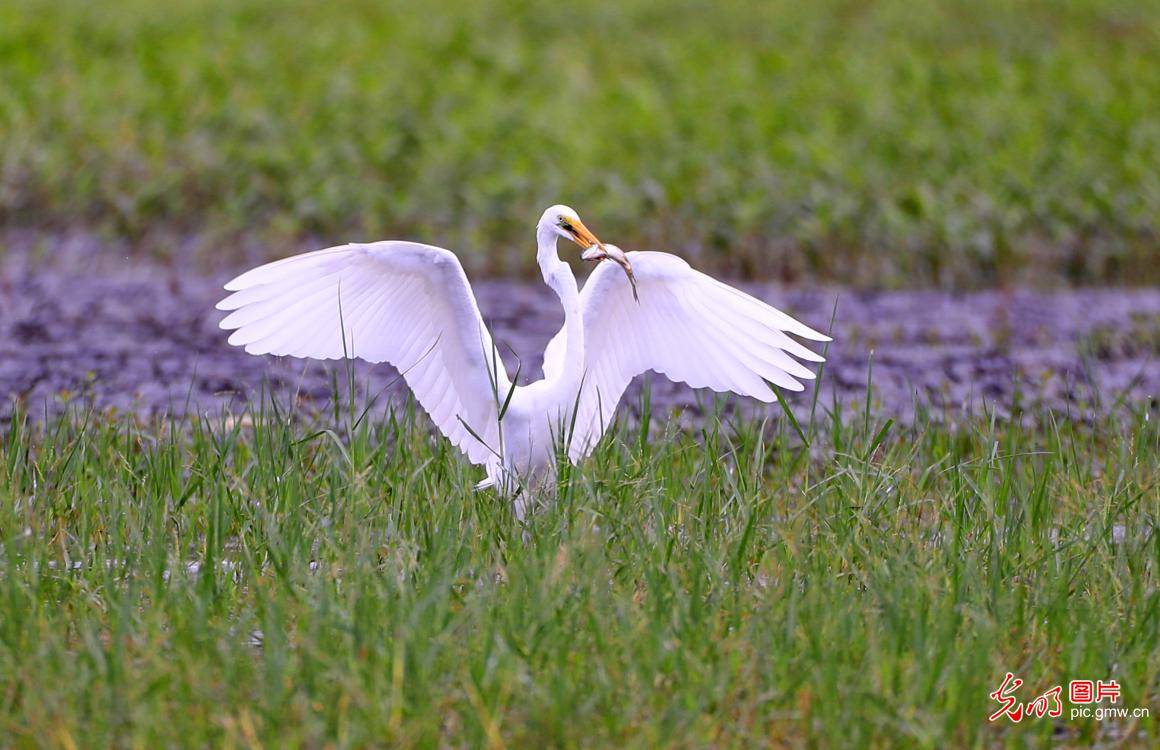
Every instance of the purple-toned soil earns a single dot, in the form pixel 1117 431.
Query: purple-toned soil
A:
pixel 141 338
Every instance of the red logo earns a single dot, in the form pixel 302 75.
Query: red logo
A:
pixel 1050 703
pixel 1012 708
pixel 1047 704
pixel 1081 691
pixel 1109 689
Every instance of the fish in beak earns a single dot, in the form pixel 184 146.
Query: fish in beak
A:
pixel 597 253
pixel 581 234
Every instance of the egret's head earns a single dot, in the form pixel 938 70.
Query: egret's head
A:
pixel 566 223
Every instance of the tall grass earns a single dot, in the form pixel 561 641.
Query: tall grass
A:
pixel 278 579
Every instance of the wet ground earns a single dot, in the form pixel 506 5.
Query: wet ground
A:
pixel 142 338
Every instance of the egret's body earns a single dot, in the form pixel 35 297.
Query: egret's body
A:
pixel 411 305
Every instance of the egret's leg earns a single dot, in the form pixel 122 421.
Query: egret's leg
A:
pixel 521 504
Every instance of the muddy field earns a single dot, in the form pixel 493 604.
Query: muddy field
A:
pixel 145 339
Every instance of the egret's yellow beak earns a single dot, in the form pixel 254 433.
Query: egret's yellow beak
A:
pixel 581 234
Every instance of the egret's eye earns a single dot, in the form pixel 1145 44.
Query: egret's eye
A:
pixel 565 223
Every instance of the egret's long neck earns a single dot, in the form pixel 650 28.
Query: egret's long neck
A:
pixel 559 276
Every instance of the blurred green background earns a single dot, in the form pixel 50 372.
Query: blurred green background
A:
pixel 887 143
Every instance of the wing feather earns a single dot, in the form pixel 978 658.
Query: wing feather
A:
pixel 404 303
pixel 687 326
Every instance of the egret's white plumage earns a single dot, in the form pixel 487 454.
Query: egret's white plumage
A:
pixel 687 326
pixel 411 305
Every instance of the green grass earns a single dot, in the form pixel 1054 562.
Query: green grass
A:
pixel 962 142
pixel 255 581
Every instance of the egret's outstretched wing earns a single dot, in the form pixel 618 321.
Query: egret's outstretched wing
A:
pixel 399 302
pixel 687 326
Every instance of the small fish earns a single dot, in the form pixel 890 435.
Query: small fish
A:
pixel 597 253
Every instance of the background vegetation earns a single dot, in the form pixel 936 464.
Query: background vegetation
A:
pixel 264 581
pixel 963 142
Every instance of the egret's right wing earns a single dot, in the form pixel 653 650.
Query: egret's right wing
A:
pixel 399 302
pixel 687 326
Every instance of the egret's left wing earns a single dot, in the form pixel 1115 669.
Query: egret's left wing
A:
pixel 687 326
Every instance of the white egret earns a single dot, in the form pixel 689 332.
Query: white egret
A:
pixel 411 305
